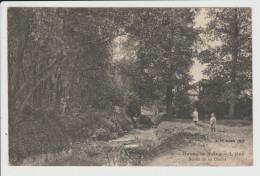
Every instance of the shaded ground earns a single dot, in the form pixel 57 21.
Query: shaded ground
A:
pixel 177 143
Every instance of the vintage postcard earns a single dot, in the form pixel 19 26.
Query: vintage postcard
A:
pixel 128 85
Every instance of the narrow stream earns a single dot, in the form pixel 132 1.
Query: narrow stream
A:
pixel 130 149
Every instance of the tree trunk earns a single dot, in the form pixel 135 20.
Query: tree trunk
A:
pixel 231 110
pixel 35 91
pixel 234 52
pixel 24 29
pixel 40 89
pixel 169 101
pixel 140 96
pixel 57 93
pixel 138 111
pixel 50 90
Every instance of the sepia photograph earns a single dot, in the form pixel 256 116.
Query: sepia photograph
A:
pixel 130 86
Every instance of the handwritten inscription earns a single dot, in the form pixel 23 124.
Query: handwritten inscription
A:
pixel 229 141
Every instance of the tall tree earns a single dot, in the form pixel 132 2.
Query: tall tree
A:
pixel 20 27
pixel 166 38
pixel 231 57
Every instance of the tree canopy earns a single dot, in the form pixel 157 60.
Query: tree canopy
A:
pixel 230 59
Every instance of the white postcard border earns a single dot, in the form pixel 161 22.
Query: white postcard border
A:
pixel 7 170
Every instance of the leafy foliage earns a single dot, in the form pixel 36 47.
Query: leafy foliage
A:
pixel 230 56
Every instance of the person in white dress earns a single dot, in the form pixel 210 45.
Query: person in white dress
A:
pixel 195 116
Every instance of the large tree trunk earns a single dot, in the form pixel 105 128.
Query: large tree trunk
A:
pixel 141 68
pixel 138 111
pixel 234 52
pixel 24 29
pixel 169 101
pixel 40 89
pixel 232 105
pixel 34 96
pixel 57 93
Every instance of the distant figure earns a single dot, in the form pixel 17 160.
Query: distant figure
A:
pixel 213 122
pixel 156 105
pixel 195 116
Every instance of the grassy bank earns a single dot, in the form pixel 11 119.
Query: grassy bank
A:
pixel 41 141
pixel 184 144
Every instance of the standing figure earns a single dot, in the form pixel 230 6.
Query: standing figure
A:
pixel 195 116
pixel 213 122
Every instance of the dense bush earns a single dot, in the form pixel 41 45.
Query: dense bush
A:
pixel 181 104
pixel 95 125
pixel 132 105
pixel 244 107
pixel 145 121
pixel 33 137
pixel 30 138
pixel 219 108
